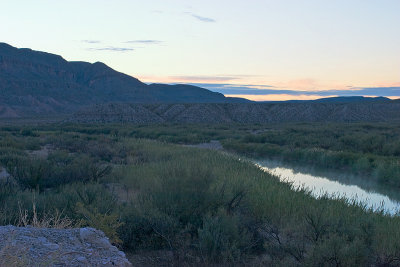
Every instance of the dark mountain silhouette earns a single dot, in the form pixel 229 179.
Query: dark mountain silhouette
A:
pixel 352 99
pixel 40 83
pixel 339 99
pixel 33 82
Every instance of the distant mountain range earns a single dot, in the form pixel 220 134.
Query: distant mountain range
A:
pixel 344 99
pixel 39 83
pixel 33 82
pixel 240 113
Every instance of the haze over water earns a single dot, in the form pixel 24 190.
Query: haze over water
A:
pixel 320 186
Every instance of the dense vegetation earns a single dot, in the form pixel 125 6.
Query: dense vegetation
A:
pixel 202 205
pixel 362 148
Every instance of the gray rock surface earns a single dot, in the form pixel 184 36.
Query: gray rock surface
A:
pixel 29 246
pixel 4 175
pixel 213 145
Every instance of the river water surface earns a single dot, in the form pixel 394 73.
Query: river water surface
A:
pixel 335 184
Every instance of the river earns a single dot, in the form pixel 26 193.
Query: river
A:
pixel 335 184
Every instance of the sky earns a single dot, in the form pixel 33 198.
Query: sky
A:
pixel 257 49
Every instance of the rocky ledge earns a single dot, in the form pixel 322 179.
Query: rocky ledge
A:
pixel 29 246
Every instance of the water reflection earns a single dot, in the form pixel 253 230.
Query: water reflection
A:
pixel 320 183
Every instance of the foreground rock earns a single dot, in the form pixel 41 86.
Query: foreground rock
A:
pixel 29 246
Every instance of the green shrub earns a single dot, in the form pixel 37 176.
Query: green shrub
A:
pixel 109 223
pixel 221 238
pixel 27 132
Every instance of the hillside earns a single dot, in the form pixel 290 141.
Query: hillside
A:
pixel 38 83
pixel 33 82
pixel 352 99
pixel 240 112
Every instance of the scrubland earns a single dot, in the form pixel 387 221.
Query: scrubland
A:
pixel 202 206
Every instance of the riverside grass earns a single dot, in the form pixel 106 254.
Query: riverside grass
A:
pixel 204 206
pixel 371 150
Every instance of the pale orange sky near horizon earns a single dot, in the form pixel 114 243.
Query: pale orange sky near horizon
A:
pixel 284 97
pixel 299 85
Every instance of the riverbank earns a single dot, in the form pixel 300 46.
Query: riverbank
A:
pixel 364 149
pixel 334 185
pixel 322 182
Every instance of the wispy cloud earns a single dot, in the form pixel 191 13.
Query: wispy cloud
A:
pixel 369 91
pixel 111 48
pixel 91 41
pixel 200 18
pixel 207 79
pixel 146 42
